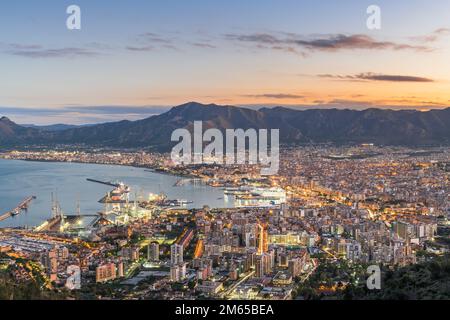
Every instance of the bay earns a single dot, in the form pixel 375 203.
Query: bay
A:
pixel 20 179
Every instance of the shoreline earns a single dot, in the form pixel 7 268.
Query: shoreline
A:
pixel 146 167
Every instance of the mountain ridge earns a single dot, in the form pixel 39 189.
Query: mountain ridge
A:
pixel 380 126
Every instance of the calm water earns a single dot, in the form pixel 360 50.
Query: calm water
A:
pixel 20 179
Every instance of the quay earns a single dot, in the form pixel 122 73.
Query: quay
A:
pixel 104 182
pixel 22 206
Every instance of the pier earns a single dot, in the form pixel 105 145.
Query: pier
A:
pixel 17 210
pixel 108 183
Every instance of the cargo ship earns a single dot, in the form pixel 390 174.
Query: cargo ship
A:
pixel 118 195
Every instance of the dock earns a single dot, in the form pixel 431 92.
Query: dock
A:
pixel 108 183
pixel 17 210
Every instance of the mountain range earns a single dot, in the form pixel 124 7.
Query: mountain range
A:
pixel 379 126
pixel 52 127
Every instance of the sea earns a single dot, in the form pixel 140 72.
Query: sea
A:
pixel 67 182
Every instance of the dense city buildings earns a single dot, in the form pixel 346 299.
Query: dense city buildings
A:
pixel 359 205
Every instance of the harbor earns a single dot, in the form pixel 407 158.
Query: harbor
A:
pixel 118 209
pixel 69 181
pixel 94 191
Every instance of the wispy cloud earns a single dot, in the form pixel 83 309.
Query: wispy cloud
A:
pixel 203 45
pixel 274 96
pixel 140 49
pixel 432 37
pixel 38 51
pixel 55 53
pixel 150 41
pixel 19 46
pixel 155 38
pixel 376 77
pixel 330 43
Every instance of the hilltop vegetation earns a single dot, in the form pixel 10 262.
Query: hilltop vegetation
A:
pixel 10 289
pixel 428 280
pixel 424 281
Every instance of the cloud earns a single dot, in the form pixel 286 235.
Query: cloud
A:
pixel 256 37
pixel 289 49
pixel 150 41
pixel 442 31
pixel 140 49
pixel 171 47
pixel 19 46
pixel 274 96
pixel 329 43
pixel 203 45
pixel 55 53
pixel 339 42
pixel 155 38
pixel 38 51
pixel 433 37
pixel 376 77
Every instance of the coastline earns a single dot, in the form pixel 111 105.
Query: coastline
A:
pixel 67 194
pixel 147 167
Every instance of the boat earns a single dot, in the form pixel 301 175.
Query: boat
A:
pixel 237 191
pixel 262 197
pixel 179 203
pixel 123 188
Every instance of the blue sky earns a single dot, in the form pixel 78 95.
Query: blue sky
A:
pixel 140 55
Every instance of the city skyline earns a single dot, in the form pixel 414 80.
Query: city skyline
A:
pixel 144 57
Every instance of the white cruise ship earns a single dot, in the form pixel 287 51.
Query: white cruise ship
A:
pixel 258 197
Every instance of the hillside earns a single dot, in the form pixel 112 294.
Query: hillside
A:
pixel 384 127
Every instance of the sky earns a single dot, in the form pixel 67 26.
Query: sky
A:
pixel 135 58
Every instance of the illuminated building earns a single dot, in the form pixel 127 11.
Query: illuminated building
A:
pixel 105 272
pixel 202 274
pixel 259 268
pixel 263 265
pixel 210 287
pixel 263 238
pixel 50 262
pixel 250 260
pixel 174 273
pixel 176 254
pixel 131 253
pixel 285 239
pixel 182 268
pixel 186 237
pixel 153 252
pixel 295 266
pixel 282 279
pixel 234 274
pixel 178 272
pixel 282 259
pixel 120 272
